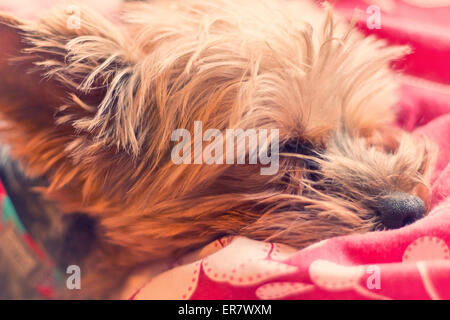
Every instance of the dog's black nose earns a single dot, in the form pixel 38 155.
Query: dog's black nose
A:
pixel 400 209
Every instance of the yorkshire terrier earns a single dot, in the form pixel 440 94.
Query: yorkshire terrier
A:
pixel 92 109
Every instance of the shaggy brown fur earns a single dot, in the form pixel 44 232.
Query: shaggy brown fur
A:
pixel 93 110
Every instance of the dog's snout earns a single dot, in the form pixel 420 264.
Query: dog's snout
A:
pixel 400 209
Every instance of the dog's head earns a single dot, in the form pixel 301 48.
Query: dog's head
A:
pixel 94 105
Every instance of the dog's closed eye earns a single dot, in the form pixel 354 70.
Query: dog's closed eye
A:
pixel 385 140
pixel 303 148
pixel 306 154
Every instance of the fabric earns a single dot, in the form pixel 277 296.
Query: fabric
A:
pixel 408 263
pixel 21 259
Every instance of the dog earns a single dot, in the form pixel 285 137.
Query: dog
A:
pixel 92 109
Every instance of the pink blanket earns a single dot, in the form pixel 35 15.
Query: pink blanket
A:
pixel 409 263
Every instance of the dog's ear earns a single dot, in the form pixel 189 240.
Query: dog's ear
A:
pixel 66 97
pixel 19 90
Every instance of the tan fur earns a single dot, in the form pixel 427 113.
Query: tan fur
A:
pixel 95 109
